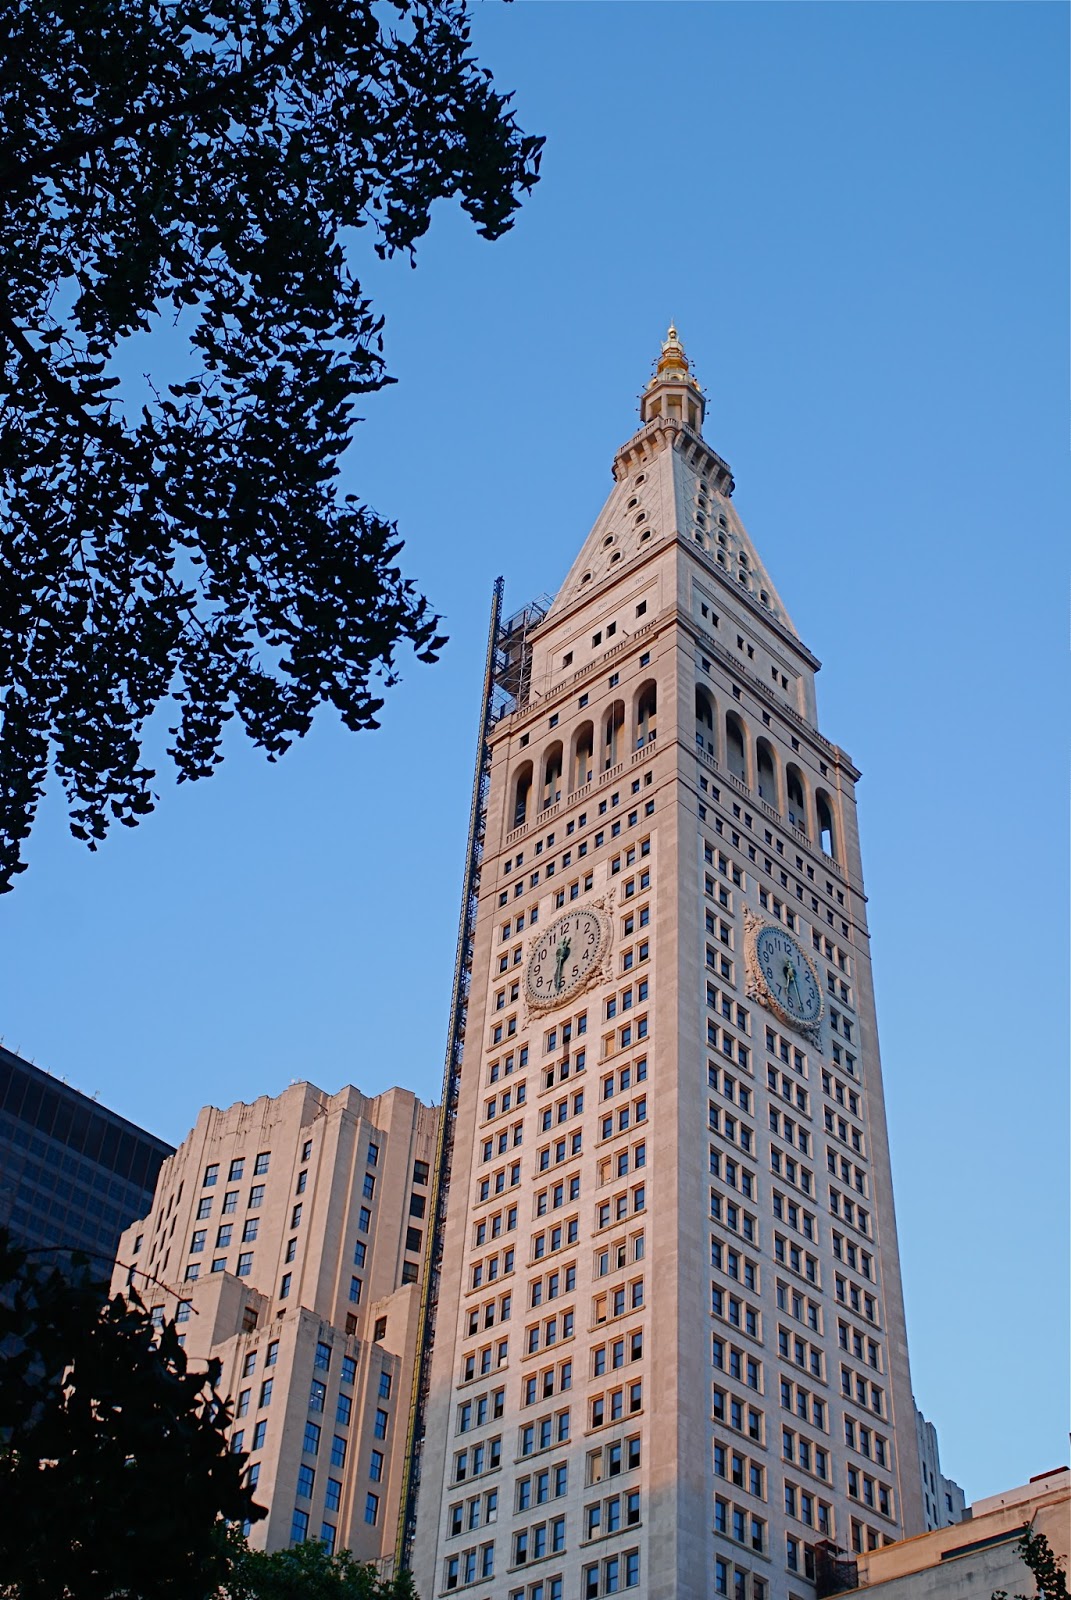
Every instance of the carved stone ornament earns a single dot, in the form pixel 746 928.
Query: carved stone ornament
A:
pixel 547 942
pixel 755 986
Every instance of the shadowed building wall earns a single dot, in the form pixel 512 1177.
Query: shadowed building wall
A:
pixel 72 1173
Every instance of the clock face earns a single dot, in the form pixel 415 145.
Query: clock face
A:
pixel 788 975
pixel 564 957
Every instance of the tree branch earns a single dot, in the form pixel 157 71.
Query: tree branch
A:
pixel 68 152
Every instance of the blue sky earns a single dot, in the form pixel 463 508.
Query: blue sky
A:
pixel 857 214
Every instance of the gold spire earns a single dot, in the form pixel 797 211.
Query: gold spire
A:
pixel 672 363
pixel 672 390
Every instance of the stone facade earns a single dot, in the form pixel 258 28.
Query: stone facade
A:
pixel 943 1500
pixel 670 1353
pixel 287 1238
pixel 972 1559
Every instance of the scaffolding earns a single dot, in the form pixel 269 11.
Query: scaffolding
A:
pixel 506 687
pixel 513 656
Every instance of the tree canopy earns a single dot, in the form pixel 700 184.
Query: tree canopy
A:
pixel 185 182
pixel 308 1572
pixel 115 1465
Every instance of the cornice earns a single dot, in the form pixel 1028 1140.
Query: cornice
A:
pixel 757 686
pixel 674 616
pixel 677 435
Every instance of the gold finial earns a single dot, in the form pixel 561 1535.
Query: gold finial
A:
pixel 672 363
pixel 672 390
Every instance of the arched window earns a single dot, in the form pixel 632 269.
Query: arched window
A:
pixel 522 788
pixel 613 727
pixel 827 837
pixel 766 773
pixel 646 714
pixel 704 719
pixel 552 774
pixel 735 749
pixel 582 770
pixel 797 805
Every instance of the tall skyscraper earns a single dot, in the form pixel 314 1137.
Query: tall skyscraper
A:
pixel 285 1238
pixel 72 1173
pixel 669 1346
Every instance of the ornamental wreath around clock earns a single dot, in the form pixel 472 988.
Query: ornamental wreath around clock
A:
pixel 780 976
pixel 566 958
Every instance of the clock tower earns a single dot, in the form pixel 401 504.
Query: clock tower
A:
pixel 664 1342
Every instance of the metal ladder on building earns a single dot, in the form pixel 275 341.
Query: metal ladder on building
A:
pixel 506 686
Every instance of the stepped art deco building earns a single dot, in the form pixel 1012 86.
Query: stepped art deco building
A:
pixel 285 1238
pixel 664 1347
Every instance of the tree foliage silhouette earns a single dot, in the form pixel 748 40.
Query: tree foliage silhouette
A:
pixel 115 1466
pixel 1045 1567
pixel 308 1572
pixel 184 182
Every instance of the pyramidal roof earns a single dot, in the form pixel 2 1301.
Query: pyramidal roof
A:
pixel 670 484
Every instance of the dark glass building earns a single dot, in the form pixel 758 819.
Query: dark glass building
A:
pixel 72 1174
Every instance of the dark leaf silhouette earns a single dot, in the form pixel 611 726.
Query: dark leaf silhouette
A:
pixel 200 172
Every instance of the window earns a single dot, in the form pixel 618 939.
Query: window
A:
pixel 380 1428
pixel 371 1508
pixel 311 1441
pixel 236 1170
pixel 211 1175
pixel 306 1482
pixel 256 1195
pixel 260 1165
pixel 299 1527
pixel 260 1433
pixel 338 1451
pixel 375 1466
